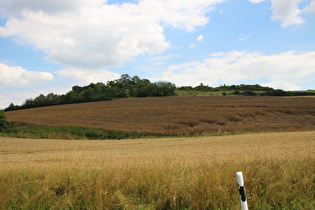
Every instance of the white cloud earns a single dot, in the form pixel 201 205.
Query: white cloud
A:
pixel 93 34
pixel 15 8
pixel 287 12
pixel 287 69
pixel 281 85
pixel 184 14
pixel 96 37
pixel 310 8
pixel 18 76
pixel 256 1
pixel 87 76
pixel 5 101
pixel 200 38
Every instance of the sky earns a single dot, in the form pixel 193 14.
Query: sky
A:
pixel 49 46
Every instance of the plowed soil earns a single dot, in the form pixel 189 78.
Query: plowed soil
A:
pixel 180 115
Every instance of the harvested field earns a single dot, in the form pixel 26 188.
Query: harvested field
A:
pixel 180 115
pixel 174 173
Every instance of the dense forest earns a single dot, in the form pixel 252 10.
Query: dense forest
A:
pixel 127 86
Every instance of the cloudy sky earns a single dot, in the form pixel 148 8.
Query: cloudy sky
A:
pixel 49 46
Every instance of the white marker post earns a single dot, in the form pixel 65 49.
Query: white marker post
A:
pixel 241 189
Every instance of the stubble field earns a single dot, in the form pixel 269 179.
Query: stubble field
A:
pixel 180 115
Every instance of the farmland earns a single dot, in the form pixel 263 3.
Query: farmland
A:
pixel 175 116
pixel 171 173
pixel 165 173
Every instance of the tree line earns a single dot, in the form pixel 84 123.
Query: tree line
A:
pixel 127 86
pixel 241 87
pixel 123 87
pixel 247 90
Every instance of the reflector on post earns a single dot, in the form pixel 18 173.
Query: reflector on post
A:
pixel 241 189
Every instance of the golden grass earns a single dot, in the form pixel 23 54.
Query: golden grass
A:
pixel 27 152
pixel 174 173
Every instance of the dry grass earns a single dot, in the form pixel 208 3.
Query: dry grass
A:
pixel 180 115
pixel 177 173
pixel 25 152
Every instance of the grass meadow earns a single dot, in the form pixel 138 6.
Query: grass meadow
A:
pixel 168 173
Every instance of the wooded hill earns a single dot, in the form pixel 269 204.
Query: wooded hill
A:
pixel 124 87
pixel 127 86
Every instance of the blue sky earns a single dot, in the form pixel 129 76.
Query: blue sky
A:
pixel 50 46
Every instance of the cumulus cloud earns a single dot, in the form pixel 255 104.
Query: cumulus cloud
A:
pixel 184 14
pixel 93 34
pixel 287 69
pixel 287 12
pixel 18 76
pixel 86 77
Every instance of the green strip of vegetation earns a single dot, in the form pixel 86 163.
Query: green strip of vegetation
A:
pixel 67 132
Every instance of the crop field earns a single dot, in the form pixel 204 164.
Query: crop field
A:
pixel 175 116
pixel 165 173
pixel 168 173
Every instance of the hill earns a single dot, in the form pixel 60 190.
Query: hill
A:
pixel 128 86
pixel 173 116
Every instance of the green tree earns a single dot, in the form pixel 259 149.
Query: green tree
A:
pixel 4 124
pixel 165 88
pixel 12 107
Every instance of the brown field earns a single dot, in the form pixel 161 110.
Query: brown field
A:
pixel 180 115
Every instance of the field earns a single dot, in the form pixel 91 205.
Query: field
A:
pixel 169 173
pixel 164 173
pixel 175 116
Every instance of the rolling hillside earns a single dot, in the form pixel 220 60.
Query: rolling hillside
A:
pixel 179 115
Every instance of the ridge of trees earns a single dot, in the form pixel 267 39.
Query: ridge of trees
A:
pixel 241 87
pixel 127 86
pixel 247 90
pixel 123 87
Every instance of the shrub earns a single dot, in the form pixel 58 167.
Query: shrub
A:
pixel 4 124
pixel 249 93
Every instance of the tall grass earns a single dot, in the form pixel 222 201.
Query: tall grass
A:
pixel 77 132
pixel 278 184
pixel 67 132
